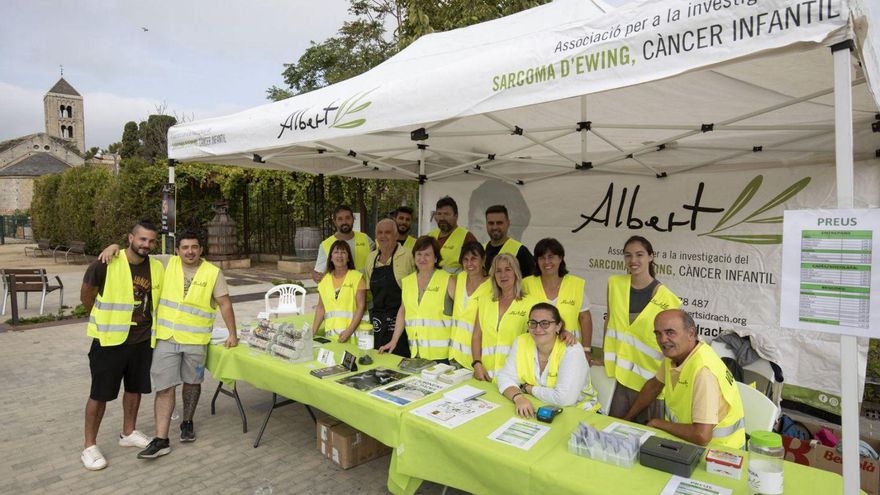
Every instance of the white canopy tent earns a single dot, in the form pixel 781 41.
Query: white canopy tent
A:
pixel 574 90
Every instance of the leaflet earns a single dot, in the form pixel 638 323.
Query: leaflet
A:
pixel 627 431
pixel 408 390
pixel 684 486
pixel 519 433
pixel 450 414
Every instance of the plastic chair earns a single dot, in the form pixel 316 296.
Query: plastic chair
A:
pixel 291 299
pixel 604 386
pixel 760 412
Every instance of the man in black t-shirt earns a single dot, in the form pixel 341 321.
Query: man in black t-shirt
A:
pixel 497 226
pixel 115 358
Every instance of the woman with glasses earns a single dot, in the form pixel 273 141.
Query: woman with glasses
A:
pixel 565 291
pixel 427 304
pixel 632 355
pixel 471 285
pixel 542 366
pixel 501 318
pixel 343 299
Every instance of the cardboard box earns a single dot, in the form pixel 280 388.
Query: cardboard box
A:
pixel 828 459
pixel 323 428
pixel 350 447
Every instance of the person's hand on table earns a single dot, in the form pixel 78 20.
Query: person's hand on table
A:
pixel 524 406
pixel 108 253
pixel 480 373
pixel 344 336
pixel 387 347
pixel 568 338
pixel 231 341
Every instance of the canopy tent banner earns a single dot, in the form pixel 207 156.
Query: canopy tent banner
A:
pixel 716 237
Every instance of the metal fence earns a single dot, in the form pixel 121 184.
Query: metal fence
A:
pixel 15 227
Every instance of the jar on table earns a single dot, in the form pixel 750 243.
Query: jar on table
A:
pixel 765 463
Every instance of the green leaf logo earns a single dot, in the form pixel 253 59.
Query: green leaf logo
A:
pixel 742 201
pixel 350 106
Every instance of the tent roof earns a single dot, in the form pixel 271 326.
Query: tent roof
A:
pixel 733 100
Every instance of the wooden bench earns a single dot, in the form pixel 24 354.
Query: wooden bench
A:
pixel 25 280
pixel 75 248
pixel 43 248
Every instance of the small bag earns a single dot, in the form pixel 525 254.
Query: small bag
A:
pixel 670 456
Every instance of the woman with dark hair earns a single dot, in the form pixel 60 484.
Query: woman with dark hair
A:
pixel 471 285
pixel 565 291
pixel 343 298
pixel 632 355
pixel 427 304
pixel 541 365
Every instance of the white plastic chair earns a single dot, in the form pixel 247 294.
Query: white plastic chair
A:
pixel 604 386
pixel 291 300
pixel 760 412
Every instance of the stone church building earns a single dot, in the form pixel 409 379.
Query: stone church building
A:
pixel 60 147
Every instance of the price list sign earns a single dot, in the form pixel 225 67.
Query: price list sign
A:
pixel 828 272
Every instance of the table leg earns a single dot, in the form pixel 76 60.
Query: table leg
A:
pixel 234 395
pixel 276 405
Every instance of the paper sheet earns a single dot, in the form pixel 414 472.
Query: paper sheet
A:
pixel 519 433
pixel 684 486
pixel 451 414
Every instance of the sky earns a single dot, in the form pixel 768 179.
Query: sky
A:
pixel 196 58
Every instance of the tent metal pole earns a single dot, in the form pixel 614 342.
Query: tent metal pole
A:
pixel 378 161
pixel 849 363
pixel 539 142
pixel 423 220
pixel 583 132
pixel 169 247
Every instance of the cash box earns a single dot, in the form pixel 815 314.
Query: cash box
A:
pixel 670 456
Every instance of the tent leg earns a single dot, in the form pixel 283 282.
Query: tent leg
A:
pixel 424 221
pixel 849 373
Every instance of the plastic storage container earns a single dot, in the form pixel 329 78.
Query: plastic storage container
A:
pixel 765 463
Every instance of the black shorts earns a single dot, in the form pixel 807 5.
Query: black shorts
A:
pixel 114 364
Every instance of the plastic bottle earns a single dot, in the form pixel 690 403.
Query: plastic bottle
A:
pixel 765 463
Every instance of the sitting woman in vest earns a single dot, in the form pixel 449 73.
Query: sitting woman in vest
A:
pixel 427 305
pixel 541 365
pixel 632 355
pixel 703 405
pixel 471 285
pixel 501 318
pixel 565 291
pixel 343 300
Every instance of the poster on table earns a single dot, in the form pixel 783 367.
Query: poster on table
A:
pixel 717 238
pixel 827 275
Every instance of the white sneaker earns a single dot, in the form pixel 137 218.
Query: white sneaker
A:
pixel 135 439
pixel 93 459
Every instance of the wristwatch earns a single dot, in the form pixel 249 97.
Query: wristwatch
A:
pixel 474 364
pixel 522 386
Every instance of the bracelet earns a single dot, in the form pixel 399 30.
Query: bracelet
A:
pixel 476 361
pixel 515 396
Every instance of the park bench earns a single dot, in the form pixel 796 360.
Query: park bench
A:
pixel 75 248
pixel 25 280
pixel 43 248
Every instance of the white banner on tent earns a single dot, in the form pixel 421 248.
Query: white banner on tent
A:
pixel 716 237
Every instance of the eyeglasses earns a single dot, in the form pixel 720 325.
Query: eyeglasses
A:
pixel 545 324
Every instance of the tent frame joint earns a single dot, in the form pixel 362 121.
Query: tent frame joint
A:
pixel 661 175
pixel 757 149
pixel 584 125
pixel 843 45
pixel 258 159
pixel 423 178
pixel 707 128
pixel 584 166
pixel 419 134
pixel 517 130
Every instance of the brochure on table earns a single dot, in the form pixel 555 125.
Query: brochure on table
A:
pixel 408 390
pixel 627 431
pixel 684 486
pixel 519 433
pixel 450 414
pixel 370 379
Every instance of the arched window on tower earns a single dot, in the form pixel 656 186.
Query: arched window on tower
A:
pixel 70 131
pixel 69 112
pixel 61 111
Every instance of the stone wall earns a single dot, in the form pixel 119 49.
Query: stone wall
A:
pixel 16 193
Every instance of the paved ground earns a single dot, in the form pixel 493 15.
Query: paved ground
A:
pixel 42 397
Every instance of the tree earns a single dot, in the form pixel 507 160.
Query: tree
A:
pixel 153 134
pixel 131 142
pixel 94 150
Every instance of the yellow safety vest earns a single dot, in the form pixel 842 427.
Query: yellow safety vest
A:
pixel 632 355
pixel 361 249
pixel 409 243
pixel 188 319
pixel 339 308
pixel 451 249
pixel 730 431
pixel 527 373
pixel 569 300
pixel 510 247
pixel 498 336
pixel 110 317
pixel 463 318
pixel 427 328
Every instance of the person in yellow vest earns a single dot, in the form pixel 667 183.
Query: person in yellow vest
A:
pixel 471 285
pixel 386 268
pixel 703 405
pixel 403 218
pixel 500 319
pixel 359 243
pixel 121 298
pixel 498 226
pixel 192 291
pixel 542 366
pixel 631 353
pixel 565 291
pixel 427 306
pixel 449 234
pixel 342 300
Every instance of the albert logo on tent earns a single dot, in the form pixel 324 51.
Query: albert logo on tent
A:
pixel 340 117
